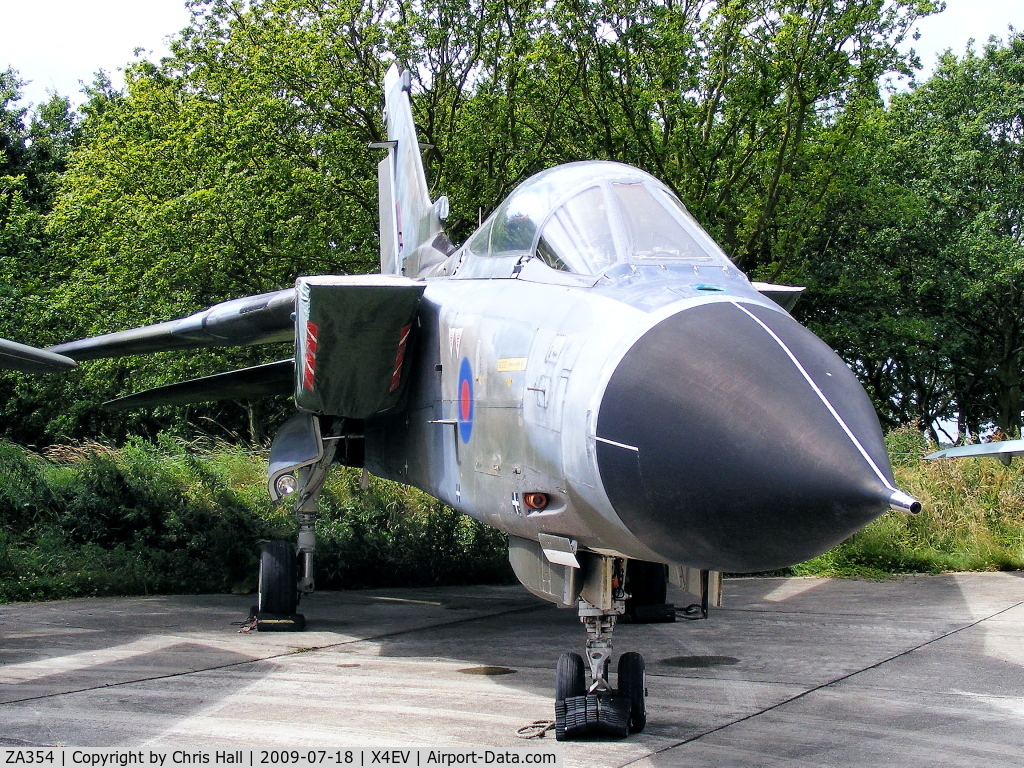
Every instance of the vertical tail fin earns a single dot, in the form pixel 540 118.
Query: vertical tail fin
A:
pixel 409 222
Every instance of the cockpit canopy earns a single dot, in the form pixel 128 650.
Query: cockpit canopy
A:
pixel 582 218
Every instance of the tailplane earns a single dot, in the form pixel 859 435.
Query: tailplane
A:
pixel 412 237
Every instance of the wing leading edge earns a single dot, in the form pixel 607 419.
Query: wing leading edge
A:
pixel 999 449
pixel 258 381
pixel 261 319
pixel 786 296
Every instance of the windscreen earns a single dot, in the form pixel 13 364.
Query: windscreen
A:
pixel 583 218
pixel 578 236
pixel 657 227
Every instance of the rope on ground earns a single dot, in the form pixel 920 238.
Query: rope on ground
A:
pixel 538 729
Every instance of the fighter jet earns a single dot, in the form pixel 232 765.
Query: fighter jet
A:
pixel 589 373
pixel 21 357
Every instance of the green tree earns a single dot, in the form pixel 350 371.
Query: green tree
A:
pixel 924 259
pixel 34 147
pixel 748 111
pixel 241 161
pixel 229 169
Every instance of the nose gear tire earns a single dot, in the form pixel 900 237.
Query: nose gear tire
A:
pixel 570 679
pixel 579 714
pixel 633 686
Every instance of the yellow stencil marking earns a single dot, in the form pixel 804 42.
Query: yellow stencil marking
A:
pixel 506 364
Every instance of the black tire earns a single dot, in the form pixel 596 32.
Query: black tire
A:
pixel 278 582
pixel 570 679
pixel 633 686
pixel 646 582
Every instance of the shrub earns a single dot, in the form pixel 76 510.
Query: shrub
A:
pixel 177 517
pixel 172 516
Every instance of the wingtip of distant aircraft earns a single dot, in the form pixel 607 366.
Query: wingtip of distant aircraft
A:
pixel 997 448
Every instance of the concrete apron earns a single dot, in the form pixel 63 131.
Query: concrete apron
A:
pixel 916 671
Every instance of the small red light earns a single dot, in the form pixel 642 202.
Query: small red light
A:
pixel 536 500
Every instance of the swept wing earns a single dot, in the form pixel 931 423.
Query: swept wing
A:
pixel 261 319
pixel 352 335
pixel 258 381
pixel 786 296
pixel 21 357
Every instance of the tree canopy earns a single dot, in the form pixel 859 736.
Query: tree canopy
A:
pixel 241 161
pixel 919 269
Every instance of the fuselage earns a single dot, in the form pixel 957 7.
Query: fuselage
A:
pixel 665 409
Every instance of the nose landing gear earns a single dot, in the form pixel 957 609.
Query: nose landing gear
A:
pixel 582 710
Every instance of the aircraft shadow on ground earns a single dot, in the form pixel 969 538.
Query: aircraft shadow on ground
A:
pixel 786 665
pixel 836 656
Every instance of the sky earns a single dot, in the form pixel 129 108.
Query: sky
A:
pixel 60 44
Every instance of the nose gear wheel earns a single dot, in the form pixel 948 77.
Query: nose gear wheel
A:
pixel 600 709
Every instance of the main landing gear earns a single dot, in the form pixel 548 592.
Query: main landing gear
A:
pixel 277 590
pixel 286 570
pixel 597 708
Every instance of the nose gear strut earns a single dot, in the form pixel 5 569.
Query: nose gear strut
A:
pixel 580 709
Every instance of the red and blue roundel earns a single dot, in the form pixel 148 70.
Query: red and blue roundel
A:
pixel 465 400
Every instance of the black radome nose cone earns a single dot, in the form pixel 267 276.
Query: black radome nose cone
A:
pixel 732 438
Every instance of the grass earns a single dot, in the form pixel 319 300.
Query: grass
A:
pixel 972 519
pixel 182 517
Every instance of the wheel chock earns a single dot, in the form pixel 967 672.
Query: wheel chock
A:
pixel 275 622
pixel 592 715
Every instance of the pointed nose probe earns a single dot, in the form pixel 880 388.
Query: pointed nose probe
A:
pixel 902 502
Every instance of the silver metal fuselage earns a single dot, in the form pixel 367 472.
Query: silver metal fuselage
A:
pixel 539 356
pixel 511 379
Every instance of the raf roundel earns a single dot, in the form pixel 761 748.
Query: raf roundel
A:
pixel 465 400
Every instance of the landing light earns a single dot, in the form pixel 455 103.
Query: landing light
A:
pixel 285 485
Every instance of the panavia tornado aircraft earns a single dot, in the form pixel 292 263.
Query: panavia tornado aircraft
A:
pixel 21 357
pixel 588 373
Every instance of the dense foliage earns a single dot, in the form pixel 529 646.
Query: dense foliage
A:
pixel 168 517
pixel 34 150
pixel 241 162
pixel 917 272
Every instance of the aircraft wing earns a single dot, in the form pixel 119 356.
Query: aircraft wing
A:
pixel 21 357
pixel 786 296
pixel 261 319
pixel 352 335
pixel 999 448
pixel 259 381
